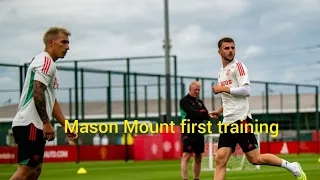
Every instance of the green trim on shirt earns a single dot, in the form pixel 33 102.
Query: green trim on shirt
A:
pixel 30 89
pixel 183 114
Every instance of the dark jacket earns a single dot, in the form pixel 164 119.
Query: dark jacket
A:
pixel 193 109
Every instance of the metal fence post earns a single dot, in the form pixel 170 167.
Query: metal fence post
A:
pixel 182 87
pixel 82 94
pixel 267 113
pixel 202 90
pixel 21 79
pixel 76 90
pixel 128 87
pixel 125 114
pixel 159 95
pixel 136 110
pixel 175 86
pixel 109 109
pixel 70 104
pixel 125 96
pixel 146 100
pixel 76 104
pixel 298 116
pixel 25 70
pixel 212 98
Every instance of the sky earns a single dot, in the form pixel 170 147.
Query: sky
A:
pixel 277 40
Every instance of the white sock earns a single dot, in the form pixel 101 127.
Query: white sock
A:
pixel 287 165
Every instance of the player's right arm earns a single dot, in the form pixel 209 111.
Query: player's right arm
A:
pixel 43 73
pixel 58 115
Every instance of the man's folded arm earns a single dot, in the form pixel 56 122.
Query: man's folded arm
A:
pixel 192 112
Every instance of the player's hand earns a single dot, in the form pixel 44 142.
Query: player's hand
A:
pixel 48 131
pixel 71 135
pixel 214 114
pixel 217 88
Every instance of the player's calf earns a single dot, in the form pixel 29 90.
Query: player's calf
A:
pixel 197 165
pixel 256 158
pixel 26 172
pixel 184 165
pixel 23 173
pixel 36 172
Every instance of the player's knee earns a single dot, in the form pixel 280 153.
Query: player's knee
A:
pixel 186 157
pixel 255 160
pixel 24 173
pixel 221 160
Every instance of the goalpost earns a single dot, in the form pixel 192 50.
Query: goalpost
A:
pixel 237 161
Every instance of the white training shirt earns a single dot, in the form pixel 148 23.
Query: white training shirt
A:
pixel 235 107
pixel 42 68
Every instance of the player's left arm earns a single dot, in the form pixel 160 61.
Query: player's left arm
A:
pixel 58 115
pixel 242 76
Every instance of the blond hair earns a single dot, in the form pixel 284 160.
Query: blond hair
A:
pixel 53 32
pixel 194 83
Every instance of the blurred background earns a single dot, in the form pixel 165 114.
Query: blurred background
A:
pixel 122 63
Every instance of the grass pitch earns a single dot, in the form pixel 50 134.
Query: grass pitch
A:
pixel 161 170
